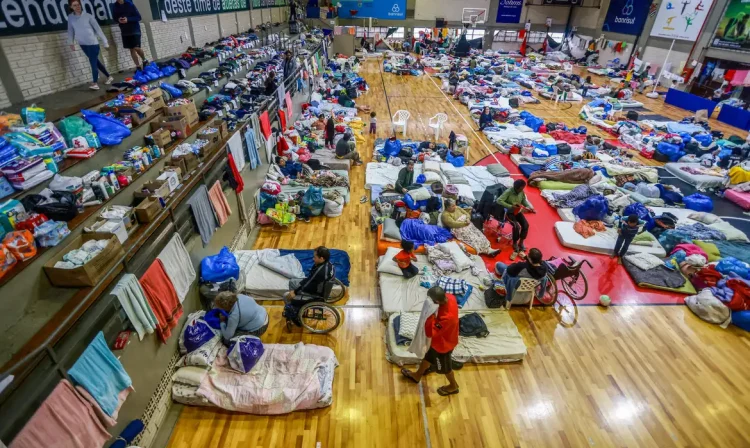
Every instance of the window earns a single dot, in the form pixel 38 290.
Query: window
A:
pixel 416 31
pixel 506 36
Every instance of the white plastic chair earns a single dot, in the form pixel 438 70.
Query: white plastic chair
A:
pixel 436 123
pixel 401 118
pixel 528 285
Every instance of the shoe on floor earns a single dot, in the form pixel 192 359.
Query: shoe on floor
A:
pixel 522 255
pixel 363 199
pixel 494 253
pixel 307 219
pixel 513 255
pixel 94 86
pixel 109 80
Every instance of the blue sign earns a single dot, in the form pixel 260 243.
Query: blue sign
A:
pixel 626 16
pixel 380 9
pixel 509 11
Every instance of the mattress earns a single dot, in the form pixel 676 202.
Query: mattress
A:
pixel 657 279
pixel 378 173
pixel 504 343
pixel 700 181
pixel 740 198
pixel 526 169
pixel 383 245
pixel 344 191
pixel 554 185
pixel 480 178
pixel 627 104
pixel 400 294
pixel 328 157
pixel 566 214
pixel 188 395
pixel 260 282
pixel 601 243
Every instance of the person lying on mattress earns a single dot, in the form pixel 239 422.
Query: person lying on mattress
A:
pixel 405 180
pixel 246 317
pixel 534 267
pixel 424 146
pixel 514 201
pixel 314 283
pixel 458 221
pixel 289 169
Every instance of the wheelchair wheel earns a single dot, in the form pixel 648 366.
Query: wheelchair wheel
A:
pixel 337 292
pixel 319 317
pixel 576 286
pixel 550 293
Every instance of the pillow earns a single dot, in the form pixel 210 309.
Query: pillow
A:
pixel 430 165
pixel 386 265
pixel 408 326
pixel 431 177
pixel 644 239
pixel 710 249
pixel 191 376
pixel 461 260
pixel 705 218
pixel 391 232
pixel 498 170
pixel 204 356
pixel 419 194
pixel 732 233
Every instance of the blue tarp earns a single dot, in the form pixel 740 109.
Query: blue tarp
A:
pixel 419 233
pixel 339 258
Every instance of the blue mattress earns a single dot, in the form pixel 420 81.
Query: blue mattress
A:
pixel 529 168
pixel 339 258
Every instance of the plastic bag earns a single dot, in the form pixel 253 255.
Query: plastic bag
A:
pixel 75 126
pixel 220 267
pixel 313 200
pixel 391 148
pixel 741 319
pixel 698 202
pixel 671 151
pixel 244 352
pixel 731 264
pixel 458 161
pixel 533 122
pixel 195 333
pixel 333 208
pixel 174 91
pixel 65 209
pixel 110 131
pixel 267 201
pixel 594 208
pixel 33 114
pixel 271 187
pixel 639 210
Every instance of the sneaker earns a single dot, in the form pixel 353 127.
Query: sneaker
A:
pixel 522 255
pixel 94 86
pixel 307 219
pixel 513 255
pixel 494 253
pixel 363 199
pixel 109 80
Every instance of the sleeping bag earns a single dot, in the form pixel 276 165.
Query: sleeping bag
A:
pixel 594 208
pixel 420 233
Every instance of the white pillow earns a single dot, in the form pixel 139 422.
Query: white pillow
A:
pixel 461 260
pixel 420 194
pixel 430 165
pixel 732 233
pixel 386 265
pixel 191 376
pixel 204 356
pixel 705 218
pixel 431 177
pixel 408 326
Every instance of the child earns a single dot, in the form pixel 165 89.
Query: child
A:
pixel 404 258
pixel 373 123
pixel 626 231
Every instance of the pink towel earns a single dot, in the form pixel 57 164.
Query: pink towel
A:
pixel 162 298
pixel 739 77
pixel 106 420
pixel 219 203
pixel 65 419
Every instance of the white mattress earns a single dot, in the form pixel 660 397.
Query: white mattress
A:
pixel 400 294
pixel 292 190
pixel 566 214
pixel 601 243
pixel 260 282
pixel 604 157
pixel 701 182
pixel 504 343
pixel 630 103
pixel 378 173
pixel 479 179
pixel 516 159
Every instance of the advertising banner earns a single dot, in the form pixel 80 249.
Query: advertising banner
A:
pixel 36 16
pixel 626 16
pixel 681 20
pixel 733 31
pixel 380 9
pixel 509 11
pixel 186 8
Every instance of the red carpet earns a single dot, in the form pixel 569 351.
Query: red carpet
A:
pixel 607 277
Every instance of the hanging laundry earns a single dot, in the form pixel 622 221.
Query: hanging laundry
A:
pixel 162 297
pixel 136 307
pixel 102 375
pixel 252 149
pixel 203 213
pixel 265 124
pixel 235 147
pixel 64 419
pixel 219 203
pixel 233 176
pixel 729 75
pixel 178 266
pixel 421 343
pixel 739 77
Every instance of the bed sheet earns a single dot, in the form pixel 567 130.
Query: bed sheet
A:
pixel 379 173
pixel 260 282
pixel 504 343
pixel 400 294
pixel 601 243
pixel 738 197
pixel 328 157
pixel 701 182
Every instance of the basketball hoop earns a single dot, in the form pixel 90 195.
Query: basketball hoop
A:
pixel 473 16
pixel 473 21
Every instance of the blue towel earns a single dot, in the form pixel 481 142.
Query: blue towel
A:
pixel 101 374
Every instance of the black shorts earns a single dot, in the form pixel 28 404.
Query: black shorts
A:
pixel 440 361
pixel 133 41
pixel 410 272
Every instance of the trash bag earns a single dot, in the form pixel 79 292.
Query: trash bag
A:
pixel 267 201
pixel 333 208
pixel 698 202
pixel 244 352
pixel 110 131
pixel 703 139
pixel 140 77
pixel 220 267
pixel 594 208
pixel 64 209
pixel 533 122
pixel 174 91
pixel 672 152
pixel 391 148
pixel 741 319
pixel 639 210
pixel 195 333
pixel 421 179
pixel 313 200
pixel 731 264
pixel 168 70
pixel 458 160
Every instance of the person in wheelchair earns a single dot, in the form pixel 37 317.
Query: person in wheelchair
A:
pixel 312 286
pixel 534 267
pixel 514 201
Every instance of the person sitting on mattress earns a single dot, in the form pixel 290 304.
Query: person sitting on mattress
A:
pixel 314 283
pixel 246 317
pixel 458 221
pixel 485 119
pixel 405 180
pixel 534 267
pixel 514 201
pixel 346 150
pixel 319 124
pixel 404 259
pixel 289 169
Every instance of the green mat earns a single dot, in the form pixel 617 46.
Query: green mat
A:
pixel 554 185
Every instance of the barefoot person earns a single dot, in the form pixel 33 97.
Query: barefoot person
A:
pixel 82 28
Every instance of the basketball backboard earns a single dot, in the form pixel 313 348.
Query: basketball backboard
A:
pixel 474 16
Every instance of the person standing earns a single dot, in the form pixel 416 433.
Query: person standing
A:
pixel 330 132
pixel 126 14
pixel 82 28
pixel 442 328
pixel 626 231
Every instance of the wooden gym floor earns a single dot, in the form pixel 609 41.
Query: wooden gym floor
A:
pixel 626 376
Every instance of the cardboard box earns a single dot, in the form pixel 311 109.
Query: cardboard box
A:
pixel 172 179
pixel 156 96
pixel 187 163
pixel 140 114
pixel 174 124
pixel 160 137
pixel 90 273
pixel 128 219
pixel 159 188
pixel 147 210
pixel 106 228
pixel 173 169
pixel 214 138
pixel 222 126
pixel 187 111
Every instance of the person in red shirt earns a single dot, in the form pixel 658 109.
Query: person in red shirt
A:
pixel 404 258
pixel 442 328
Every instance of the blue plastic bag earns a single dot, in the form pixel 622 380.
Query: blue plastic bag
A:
pixel 703 139
pixel 731 264
pixel 594 208
pixel 313 200
pixel 220 267
pixel 698 202
pixel 533 122
pixel 741 319
pixel 457 161
pixel 244 352
pixel 141 77
pixel 174 91
pixel 195 334
pixel 168 70
pixel 421 179
pixel 669 150
pixel 110 131
pixel 391 148
pixel 267 201
pixel 213 317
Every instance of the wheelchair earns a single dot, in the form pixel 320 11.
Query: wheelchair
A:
pixel 315 313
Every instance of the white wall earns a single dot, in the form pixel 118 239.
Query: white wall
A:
pixel 506 46
pixel 451 10
pixel 656 56
pixel 539 14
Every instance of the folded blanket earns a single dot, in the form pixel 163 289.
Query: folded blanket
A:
pixel 644 261
pixel 162 298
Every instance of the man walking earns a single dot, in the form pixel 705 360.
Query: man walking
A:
pixel 126 14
